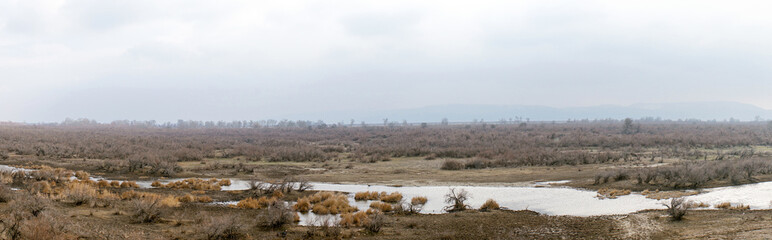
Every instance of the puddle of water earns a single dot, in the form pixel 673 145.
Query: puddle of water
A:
pixel 540 197
pixel 757 195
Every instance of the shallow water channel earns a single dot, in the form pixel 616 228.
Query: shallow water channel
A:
pixel 539 197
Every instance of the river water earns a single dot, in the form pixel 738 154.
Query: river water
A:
pixel 540 197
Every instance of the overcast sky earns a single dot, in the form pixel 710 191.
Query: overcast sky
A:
pixel 229 60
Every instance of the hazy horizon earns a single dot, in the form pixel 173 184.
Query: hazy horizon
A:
pixel 253 60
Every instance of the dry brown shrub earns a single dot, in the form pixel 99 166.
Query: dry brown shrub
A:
pixel 248 203
pixel 277 194
pixel 6 194
pixel 364 196
pixel 224 182
pixel 44 227
pixel 79 193
pixel 198 192
pixel 354 219
pixel 420 200
pixel 131 194
pixel 223 228
pixel 740 207
pixel 382 206
pixel 394 197
pixel 334 205
pixel 187 198
pixel 103 183
pixel 452 165
pixel 204 199
pixel 156 184
pixel 82 175
pixel 374 223
pixel 489 205
pixel 146 210
pixel 303 205
pixel 169 201
pixel 31 203
pixel 724 205
pixel 115 184
pixel 320 196
pixel 41 187
pixel 612 193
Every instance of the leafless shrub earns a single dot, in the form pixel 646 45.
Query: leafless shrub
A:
pixel 376 222
pixel 275 216
pixel 223 228
pixel 304 185
pixel 6 194
pixel 676 208
pixel 325 227
pixel 80 193
pixel 31 203
pixel 452 165
pixel 146 210
pixel 457 200
pixel 693 174
pixel 44 226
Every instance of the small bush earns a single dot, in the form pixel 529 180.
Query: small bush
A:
pixel 169 201
pixel 457 200
pixel 303 205
pixel 223 228
pixel 224 182
pixel 381 206
pixel 375 223
pixel 31 203
pixel 724 205
pixel 676 208
pixel 80 193
pixel 452 165
pixel 418 200
pixel 103 183
pixel 354 219
pixel 146 210
pixel 41 187
pixel 248 203
pixel 364 196
pixel 394 197
pixel 416 204
pixel 6 194
pixel 187 198
pixel 489 205
pixel 728 205
pixel 611 193
pixel 276 215
pixel 82 175
pixel 204 199
pixel 156 184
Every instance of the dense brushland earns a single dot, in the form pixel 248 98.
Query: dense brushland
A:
pixel 603 155
pixel 734 152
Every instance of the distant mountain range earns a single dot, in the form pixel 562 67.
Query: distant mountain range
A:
pixel 719 111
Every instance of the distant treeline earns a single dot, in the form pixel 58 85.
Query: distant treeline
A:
pixel 271 123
